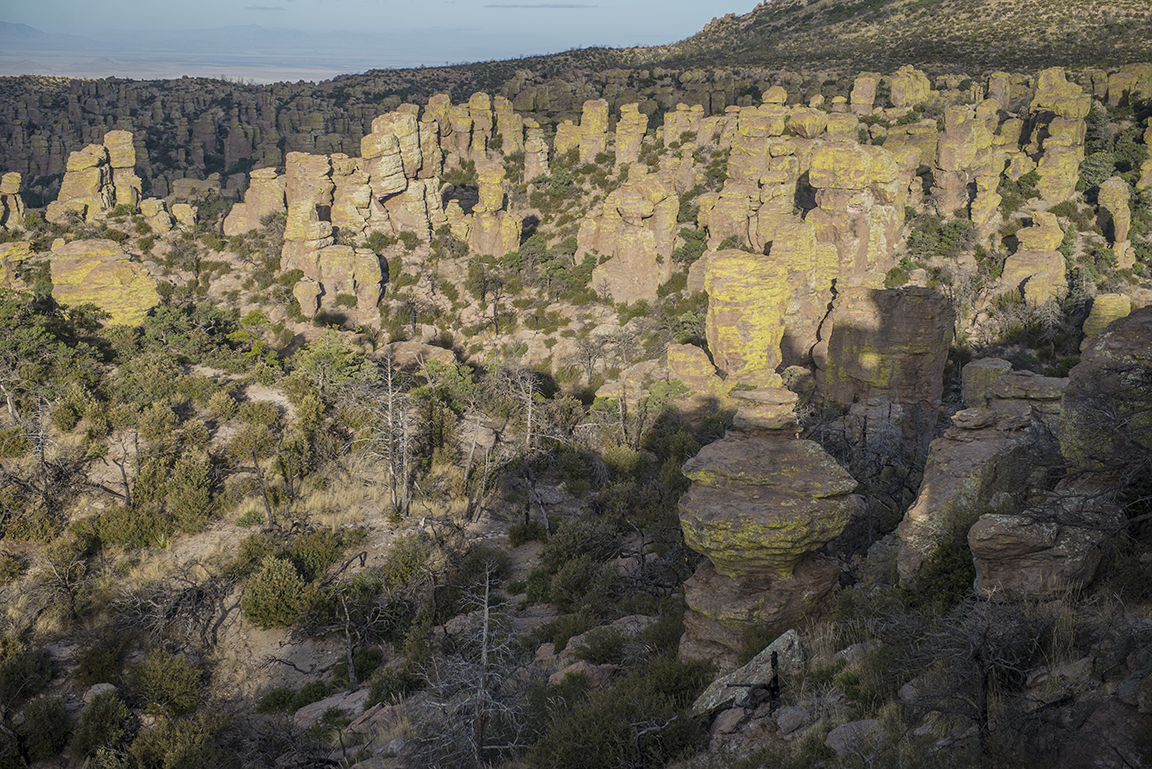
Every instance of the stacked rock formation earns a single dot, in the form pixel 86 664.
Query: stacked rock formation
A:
pixel 11 204
pixel 636 229
pixel 1037 268
pixel 762 502
pixel 100 273
pixel 535 152
pixel 1113 198
pixel 630 131
pixel 985 460
pixel 1062 106
pixel 97 178
pixel 489 229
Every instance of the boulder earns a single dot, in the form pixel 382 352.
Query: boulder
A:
pixel 1106 308
pixel 100 273
pixel 986 455
pixel 733 689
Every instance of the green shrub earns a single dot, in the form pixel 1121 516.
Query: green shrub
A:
pixel 46 726
pixel 525 532
pixel 136 527
pixel 277 700
pixel 222 405
pixel 407 554
pixel 274 596
pixel 260 413
pixel 895 277
pixel 168 684
pixel 181 744
pixel 11 568
pixel 252 551
pixel 367 660
pixel 103 723
pixel 392 683
pixel 314 552
pixel 644 720
pixel 101 662
pixel 23 675
pixel 313 691
pixel 575 537
pixel 602 645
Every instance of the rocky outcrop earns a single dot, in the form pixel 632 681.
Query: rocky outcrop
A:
pixel 991 383
pixel 265 197
pixel 887 343
pixel 1107 424
pixel 11 204
pixel 1113 198
pixel 98 272
pixel 1046 550
pixel 636 230
pixel 1062 106
pixel 1037 268
pixel 860 195
pixel 630 131
pixel 761 502
pixel 11 256
pixel 987 458
pixel 96 179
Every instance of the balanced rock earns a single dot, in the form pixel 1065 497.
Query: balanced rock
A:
pixel 636 230
pixel 756 507
pixel 11 204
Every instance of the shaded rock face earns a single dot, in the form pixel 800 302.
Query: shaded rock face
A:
pixel 888 343
pixel 11 204
pixel 1043 552
pixel 1107 425
pixel 991 383
pixel 986 458
pixel 721 612
pixel 97 271
pixel 761 502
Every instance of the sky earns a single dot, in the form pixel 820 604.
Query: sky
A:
pixel 516 26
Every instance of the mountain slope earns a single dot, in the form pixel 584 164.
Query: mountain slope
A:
pixel 972 36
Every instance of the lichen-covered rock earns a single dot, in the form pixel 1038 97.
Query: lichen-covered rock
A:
pixel 747 300
pixel 1113 198
pixel 11 204
pixel 1055 93
pixel 1107 420
pixel 1130 83
pixel 100 273
pixel 535 152
pixel 909 87
pixel 757 506
pixel 984 455
pixel 630 133
pixel 1059 170
pixel 692 366
pixel 636 229
pixel 11 255
pixel 1106 308
pixel 807 122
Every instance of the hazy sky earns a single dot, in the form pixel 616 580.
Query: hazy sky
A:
pixel 523 26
